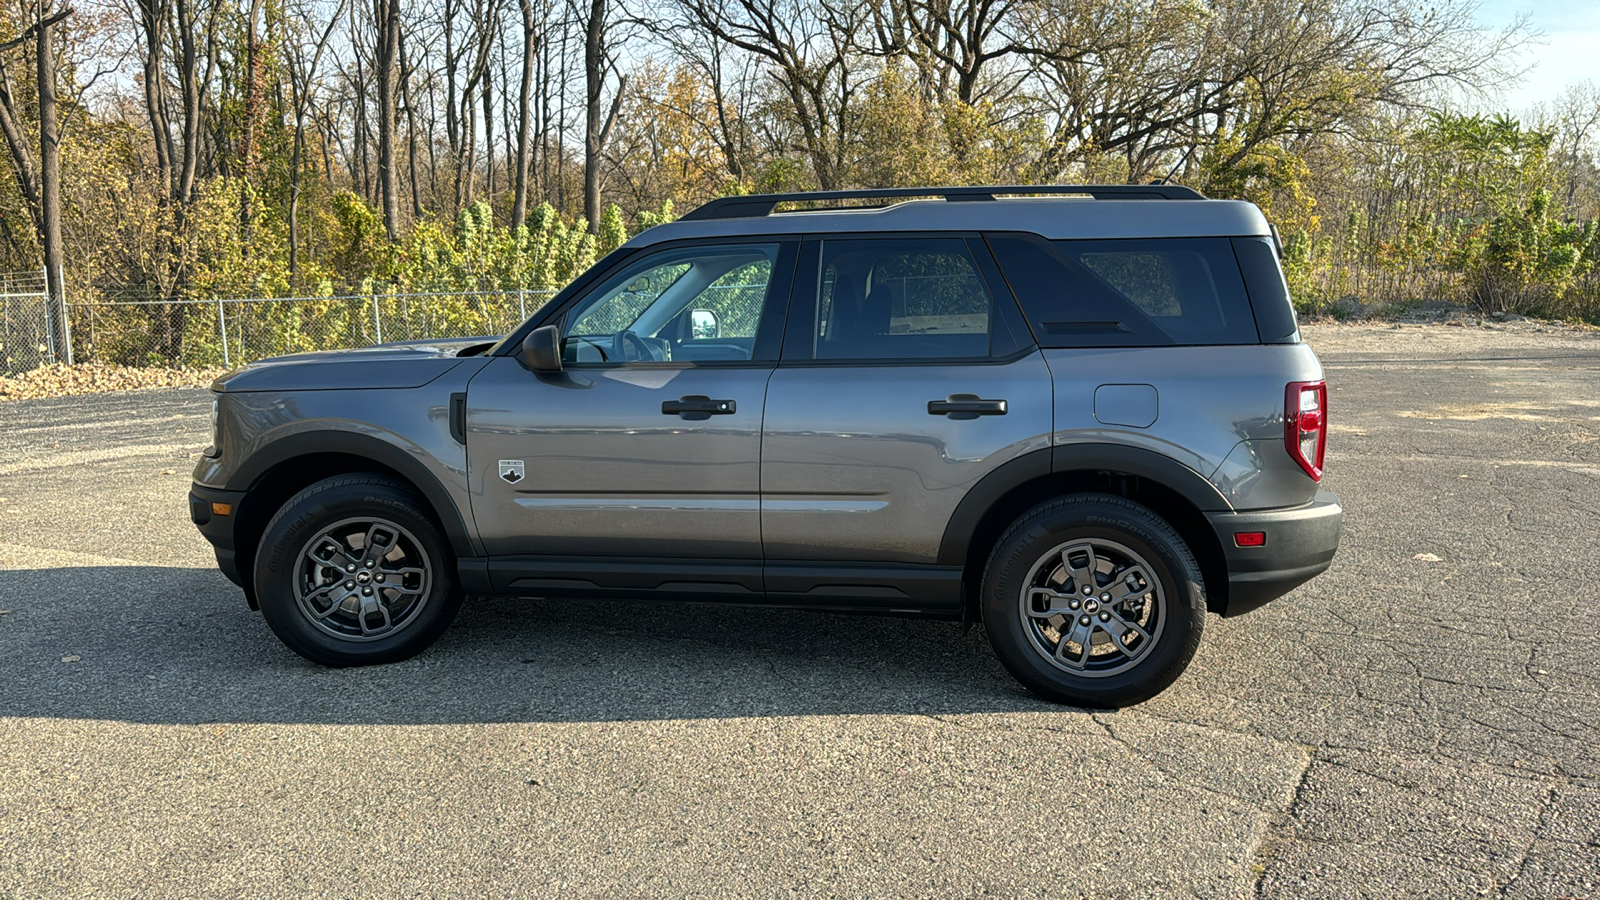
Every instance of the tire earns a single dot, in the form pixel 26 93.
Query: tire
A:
pixel 395 592
pixel 1142 618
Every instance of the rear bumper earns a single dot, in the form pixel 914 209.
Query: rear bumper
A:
pixel 218 529
pixel 1300 543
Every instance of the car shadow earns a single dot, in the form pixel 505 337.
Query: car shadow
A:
pixel 178 646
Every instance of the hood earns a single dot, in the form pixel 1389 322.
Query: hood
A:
pixel 407 364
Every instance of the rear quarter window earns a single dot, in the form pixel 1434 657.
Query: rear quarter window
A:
pixel 1128 293
pixel 1269 293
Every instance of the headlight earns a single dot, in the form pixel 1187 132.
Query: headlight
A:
pixel 215 450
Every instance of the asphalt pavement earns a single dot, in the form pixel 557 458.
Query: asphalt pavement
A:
pixel 1420 721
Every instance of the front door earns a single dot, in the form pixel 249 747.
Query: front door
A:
pixel 646 448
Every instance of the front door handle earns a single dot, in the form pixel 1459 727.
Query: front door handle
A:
pixel 698 406
pixel 966 406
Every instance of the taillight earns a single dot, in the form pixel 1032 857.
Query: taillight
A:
pixel 1305 424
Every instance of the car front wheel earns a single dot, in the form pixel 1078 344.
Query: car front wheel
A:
pixel 353 571
pixel 1093 600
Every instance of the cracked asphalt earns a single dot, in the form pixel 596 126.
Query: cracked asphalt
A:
pixel 1420 721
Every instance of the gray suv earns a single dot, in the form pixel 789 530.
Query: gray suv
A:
pixel 1084 419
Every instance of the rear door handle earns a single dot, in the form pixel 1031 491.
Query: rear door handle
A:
pixel 966 406
pixel 698 406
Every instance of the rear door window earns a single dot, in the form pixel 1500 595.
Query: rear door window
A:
pixel 900 299
pixel 1128 293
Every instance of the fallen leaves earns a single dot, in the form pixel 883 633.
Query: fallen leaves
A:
pixel 1428 557
pixel 96 378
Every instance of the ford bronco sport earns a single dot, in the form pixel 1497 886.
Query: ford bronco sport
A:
pixel 1085 419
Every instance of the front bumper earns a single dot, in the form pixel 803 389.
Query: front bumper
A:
pixel 216 528
pixel 1300 543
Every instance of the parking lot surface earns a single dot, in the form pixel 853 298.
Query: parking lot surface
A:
pixel 1422 720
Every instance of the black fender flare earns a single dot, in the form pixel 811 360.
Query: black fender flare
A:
pixel 407 464
pixel 1163 470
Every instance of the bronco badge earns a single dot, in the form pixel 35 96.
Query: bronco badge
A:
pixel 511 470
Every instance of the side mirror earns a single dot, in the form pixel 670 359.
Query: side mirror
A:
pixel 541 349
pixel 702 325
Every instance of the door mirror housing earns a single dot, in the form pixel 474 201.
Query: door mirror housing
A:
pixel 541 350
pixel 702 325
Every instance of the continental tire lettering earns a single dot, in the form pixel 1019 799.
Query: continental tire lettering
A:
pixel 385 501
pixel 275 559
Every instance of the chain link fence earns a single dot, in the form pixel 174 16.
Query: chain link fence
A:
pixel 26 339
pixel 231 332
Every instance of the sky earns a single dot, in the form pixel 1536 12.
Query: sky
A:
pixel 1569 51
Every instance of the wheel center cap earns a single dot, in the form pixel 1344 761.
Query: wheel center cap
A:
pixel 363 578
pixel 1091 606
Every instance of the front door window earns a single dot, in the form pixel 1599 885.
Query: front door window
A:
pixel 689 305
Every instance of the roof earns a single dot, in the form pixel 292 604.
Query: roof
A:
pixel 1057 218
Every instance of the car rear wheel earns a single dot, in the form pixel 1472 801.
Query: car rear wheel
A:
pixel 1093 600
pixel 353 571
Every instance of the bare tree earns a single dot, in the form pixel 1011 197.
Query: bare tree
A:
pixel 811 47
pixel 386 59
pixel 955 44
pixel 599 63
pixel 190 31
pixel 302 69
pixel 535 14
pixel 42 193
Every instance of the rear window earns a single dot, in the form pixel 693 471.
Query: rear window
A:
pixel 1128 293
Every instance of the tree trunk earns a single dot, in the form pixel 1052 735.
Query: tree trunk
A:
pixel 385 60
pixel 294 199
pixel 254 101
pixel 152 20
pixel 519 199
pixel 406 72
pixel 486 85
pixel 594 83
pixel 50 181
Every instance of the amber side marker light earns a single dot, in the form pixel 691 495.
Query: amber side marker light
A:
pixel 222 509
pixel 1249 538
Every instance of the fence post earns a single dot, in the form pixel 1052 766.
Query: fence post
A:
pixel 377 323
pixel 49 317
pixel 222 324
pixel 522 305
pixel 66 314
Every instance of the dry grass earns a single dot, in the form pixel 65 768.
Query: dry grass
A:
pixel 97 378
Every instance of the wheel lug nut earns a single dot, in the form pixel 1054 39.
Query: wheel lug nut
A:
pixel 367 591
pixel 350 568
pixel 369 563
pixel 378 578
pixel 1105 617
pixel 1074 604
pixel 1087 589
pixel 1083 621
pixel 1105 596
pixel 349 585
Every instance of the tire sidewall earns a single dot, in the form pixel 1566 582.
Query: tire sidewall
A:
pixel 1047 527
pixel 301 520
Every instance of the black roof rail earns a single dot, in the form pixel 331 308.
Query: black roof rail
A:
pixel 755 205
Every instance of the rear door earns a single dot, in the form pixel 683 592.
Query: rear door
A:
pixel 907 375
pixel 646 447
